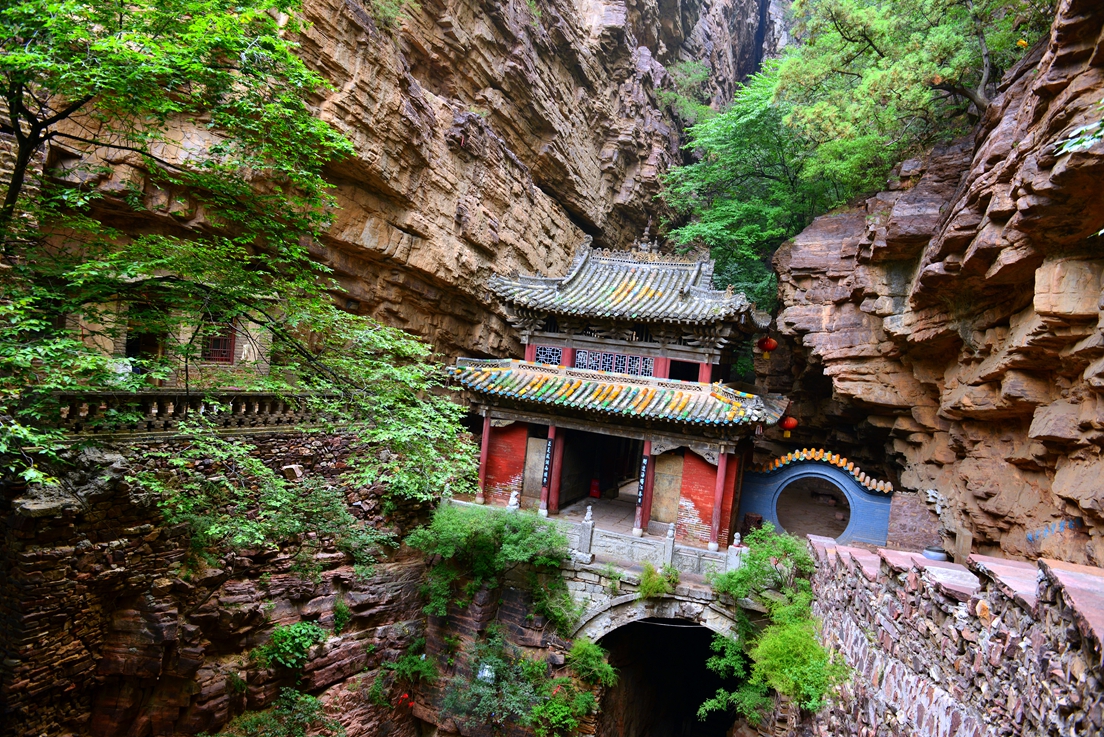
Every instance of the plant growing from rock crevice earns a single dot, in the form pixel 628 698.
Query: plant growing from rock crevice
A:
pixel 655 584
pixel 289 646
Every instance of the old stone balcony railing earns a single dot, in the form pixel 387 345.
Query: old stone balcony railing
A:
pixel 165 410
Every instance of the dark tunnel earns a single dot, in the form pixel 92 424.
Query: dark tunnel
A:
pixel 662 682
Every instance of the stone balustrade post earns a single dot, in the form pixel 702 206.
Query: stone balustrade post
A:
pixel 735 556
pixel 586 536
pixel 669 546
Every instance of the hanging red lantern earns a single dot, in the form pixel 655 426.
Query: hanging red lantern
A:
pixel 788 423
pixel 767 344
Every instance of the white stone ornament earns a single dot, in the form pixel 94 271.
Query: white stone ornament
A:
pixel 513 503
pixel 589 514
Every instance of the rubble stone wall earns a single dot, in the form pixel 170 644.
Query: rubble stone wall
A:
pixel 110 624
pixel 941 650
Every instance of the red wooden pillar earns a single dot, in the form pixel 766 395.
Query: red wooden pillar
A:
pixel 640 523
pixel 557 474
pixel 530 351
pixel 649 486
pixel 547 471
pixel 705 372
pixel 567 357
pixel 718 500
pixel 484 447
pixel 661 367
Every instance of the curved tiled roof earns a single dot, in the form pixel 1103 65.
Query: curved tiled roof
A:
pixel 686 402
pixel 630 285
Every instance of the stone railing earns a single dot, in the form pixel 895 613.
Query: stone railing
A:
pixel 587 542
pixel 165 410
pixel 996 647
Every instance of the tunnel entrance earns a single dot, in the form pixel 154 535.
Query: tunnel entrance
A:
pixel 813 506
pixel 662 682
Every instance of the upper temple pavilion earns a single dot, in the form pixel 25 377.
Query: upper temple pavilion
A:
pixel 626 358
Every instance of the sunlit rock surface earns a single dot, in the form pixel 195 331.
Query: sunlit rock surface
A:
pixel 951 327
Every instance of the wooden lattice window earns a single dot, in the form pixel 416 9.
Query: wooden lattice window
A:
pixel 218 344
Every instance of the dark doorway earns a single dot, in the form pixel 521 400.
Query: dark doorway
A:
pixel 812 506
pixel 590 457
pixel 662 680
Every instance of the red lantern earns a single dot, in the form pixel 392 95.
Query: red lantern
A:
pixel 767 344
pixel 788 423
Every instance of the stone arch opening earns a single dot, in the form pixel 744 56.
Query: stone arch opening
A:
pixel 662 681
pixel 813 506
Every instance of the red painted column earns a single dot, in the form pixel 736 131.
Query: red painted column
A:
pixel 547 471
pixel 530 351
pixel 705 372
pixel 484 446
pixel 640 523
pixel 649 486
pixel 718 500
pixel 661 367
pixel 568 357
pixel 557 474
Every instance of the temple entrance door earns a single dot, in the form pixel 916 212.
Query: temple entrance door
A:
pixel 668 485
pixel 535 448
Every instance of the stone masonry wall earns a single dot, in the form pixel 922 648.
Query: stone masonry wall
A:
pixel 941 650
pixel 111 625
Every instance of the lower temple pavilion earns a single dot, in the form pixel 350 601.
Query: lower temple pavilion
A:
pixel 624 382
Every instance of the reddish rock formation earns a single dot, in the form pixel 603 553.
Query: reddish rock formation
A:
pixel 111 625
pixel 951 328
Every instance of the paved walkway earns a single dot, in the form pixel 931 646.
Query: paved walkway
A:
pixel 615 515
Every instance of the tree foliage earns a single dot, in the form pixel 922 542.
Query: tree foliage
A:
pixel 478 546
pixel 502 687
pixel 295 714
pixel 783 655
pixel 193 117
pixel 866 83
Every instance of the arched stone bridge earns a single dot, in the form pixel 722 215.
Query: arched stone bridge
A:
pixel 609 595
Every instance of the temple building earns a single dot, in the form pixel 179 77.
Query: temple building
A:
pixel 622 387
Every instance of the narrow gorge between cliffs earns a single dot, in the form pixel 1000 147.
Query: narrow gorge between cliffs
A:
pixel 552 368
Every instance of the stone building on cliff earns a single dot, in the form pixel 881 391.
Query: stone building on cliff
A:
pixel 622 387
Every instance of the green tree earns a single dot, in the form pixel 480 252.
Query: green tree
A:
pixel 747 192
pixel 203 110
pixel 870 81
pixel 867 83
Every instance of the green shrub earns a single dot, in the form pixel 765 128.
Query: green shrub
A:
pixel 654 584
pixel 289 645
pixel 415 667
pixel 614 576
pixel 561 710
pixel 588 661
pixel 294 715
pixel 785 655
pixel 480 545
pixel 342 615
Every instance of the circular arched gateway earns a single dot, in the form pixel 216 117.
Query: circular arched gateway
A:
pixel 813 506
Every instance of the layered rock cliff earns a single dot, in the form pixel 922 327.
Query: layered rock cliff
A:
pixel 493 136
pixel 951 328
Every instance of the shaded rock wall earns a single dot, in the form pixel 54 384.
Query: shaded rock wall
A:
pixel 111 625
pixel 494 136
pixel 951 329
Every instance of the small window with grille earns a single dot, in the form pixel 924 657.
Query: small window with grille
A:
pixel 614 362
pixel 549 354
pixel 218 344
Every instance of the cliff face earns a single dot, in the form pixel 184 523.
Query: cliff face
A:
pixel 494 136
pixel 952 326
